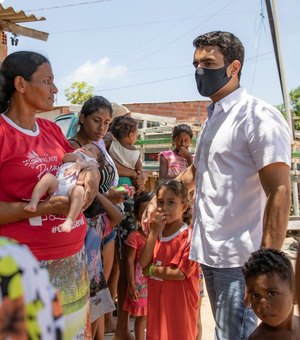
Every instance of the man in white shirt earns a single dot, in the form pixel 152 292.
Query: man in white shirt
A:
pixel 241 174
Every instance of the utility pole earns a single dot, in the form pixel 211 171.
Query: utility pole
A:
pixel 274 27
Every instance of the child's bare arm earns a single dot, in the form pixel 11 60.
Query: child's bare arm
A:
pixel 139 166
pixel 79 165
pixel 130 268
pixel 163 168
pixel 113 214
pixel 147 252
pixel 167 273
pixel 157 224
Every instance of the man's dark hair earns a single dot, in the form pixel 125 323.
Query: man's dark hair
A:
pixel 269 262
pixel 230 46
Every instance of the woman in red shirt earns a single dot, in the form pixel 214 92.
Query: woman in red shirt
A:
pixel 29 148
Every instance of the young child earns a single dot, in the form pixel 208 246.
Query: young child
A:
pixel 173 286
pixel 64 183
pixel 136 297
pixel 122 149
pixel 270 283
pixel 173 162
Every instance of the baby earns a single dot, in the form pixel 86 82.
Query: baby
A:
pixel 270 283
pixel 122 148
pixel 65 182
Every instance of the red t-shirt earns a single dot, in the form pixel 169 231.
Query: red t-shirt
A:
pixel 173 304
pixel 24 158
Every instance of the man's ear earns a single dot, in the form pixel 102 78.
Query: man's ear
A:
pixel 235 67
pixel 20 84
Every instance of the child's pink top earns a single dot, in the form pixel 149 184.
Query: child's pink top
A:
pixel 176 163
pixel 138 308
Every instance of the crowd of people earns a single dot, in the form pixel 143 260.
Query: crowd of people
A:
pixel 82 239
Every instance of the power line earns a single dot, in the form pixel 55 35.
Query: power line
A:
pixel 162 80
pixel 260 26
pixel 142 84
pixel 66 5
pixel 144 23
pixel 172 67
pixel 183 35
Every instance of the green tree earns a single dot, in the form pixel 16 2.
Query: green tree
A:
pixel 295 106
pixel 79 92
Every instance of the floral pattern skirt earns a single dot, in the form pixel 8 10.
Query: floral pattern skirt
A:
pixel 70 277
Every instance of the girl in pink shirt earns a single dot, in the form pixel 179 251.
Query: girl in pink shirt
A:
pixel 173 284
pixel 173 162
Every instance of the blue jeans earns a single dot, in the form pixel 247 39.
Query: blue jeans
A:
pixel 226 290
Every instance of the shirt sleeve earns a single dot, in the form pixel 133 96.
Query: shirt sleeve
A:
pixel 269 136
pixel 181 259
pixel 132 240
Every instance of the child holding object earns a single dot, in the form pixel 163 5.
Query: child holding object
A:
pixel 65 182
pixel 270 283
pixel 136 297
pixel 173 285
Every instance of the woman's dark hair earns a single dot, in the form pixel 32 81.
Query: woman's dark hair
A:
pixel 22 63
pixel 230 46
pixel 141 198
pixel 122 126
pixel 182 128
pixel 180 190
pixel 269 262
pixel 95 103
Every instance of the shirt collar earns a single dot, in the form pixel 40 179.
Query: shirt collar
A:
pixel 226 103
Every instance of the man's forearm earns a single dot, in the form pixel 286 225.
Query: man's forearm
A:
pixel 276 218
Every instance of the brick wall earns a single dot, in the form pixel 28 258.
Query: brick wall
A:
pixel 193 112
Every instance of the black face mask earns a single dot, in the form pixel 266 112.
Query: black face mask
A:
pixel 210 81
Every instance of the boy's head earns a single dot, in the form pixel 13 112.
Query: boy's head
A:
pixel 270 285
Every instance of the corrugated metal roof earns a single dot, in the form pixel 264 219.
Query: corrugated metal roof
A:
pixel 10 15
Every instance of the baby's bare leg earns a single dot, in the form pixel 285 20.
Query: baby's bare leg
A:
pixel 76 198
pixel 47 184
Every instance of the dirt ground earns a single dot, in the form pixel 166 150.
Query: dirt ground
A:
pixel 208 323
